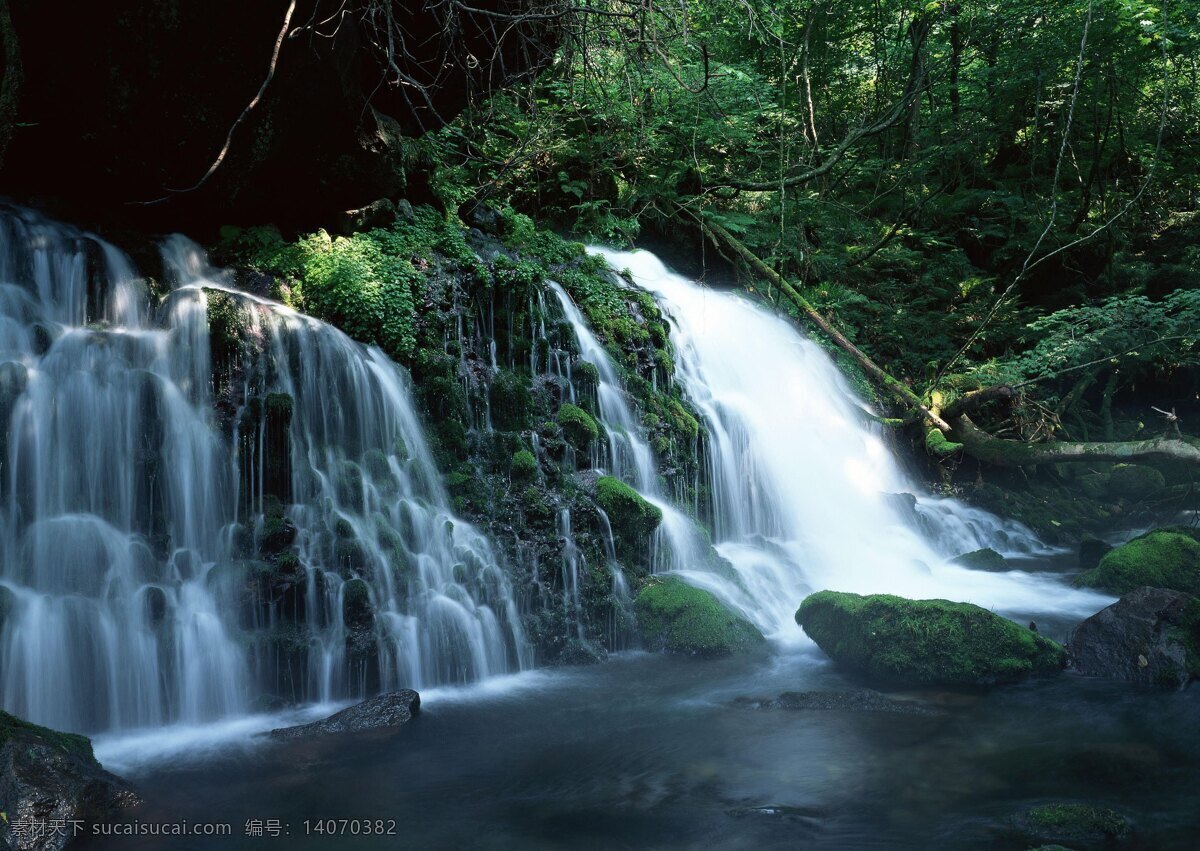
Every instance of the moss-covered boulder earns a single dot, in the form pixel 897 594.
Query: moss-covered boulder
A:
pixel 631 517
pixel 985 559
pixel 524 465
pixel 1160 559
pixel 896 641
pixel 1135 482
pixel 1074 823
pixel 680 618
pixel 578 427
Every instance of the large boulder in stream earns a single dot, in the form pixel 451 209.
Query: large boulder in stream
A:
pixel 384 712
pixel 1150 636
pixel 680 618
pixel 902 642
pixel 1164 558
pixel 49 777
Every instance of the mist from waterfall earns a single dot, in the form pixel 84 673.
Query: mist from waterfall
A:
pixel 803 487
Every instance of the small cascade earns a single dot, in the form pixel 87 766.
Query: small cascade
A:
pixel 211 499
pixel 678 544
pixel 803 491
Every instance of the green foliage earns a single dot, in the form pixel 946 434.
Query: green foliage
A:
pixel 680 618
pixel 1160 559
pixel 924 642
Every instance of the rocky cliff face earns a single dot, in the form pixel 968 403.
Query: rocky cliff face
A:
pixel 133 103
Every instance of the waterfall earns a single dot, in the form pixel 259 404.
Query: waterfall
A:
pixel 145 469
pixel 803 488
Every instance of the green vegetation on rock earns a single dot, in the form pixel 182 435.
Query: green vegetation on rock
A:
pixel 1159 559
pixel 631 517
pixel 524 465
pixel 577 425
pixel 924 642
pixel 681 618
pixel 14 728
pixel 1076 822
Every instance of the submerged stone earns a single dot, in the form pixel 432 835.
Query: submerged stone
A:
pixel 1159 559
pixel 384 712
pixel 680 618
pixel 1074 823
pixel 858 700
pixel 1150 636
pixel 924 642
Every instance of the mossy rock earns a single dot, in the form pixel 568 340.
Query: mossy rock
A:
pixel 985 559
pixel 1075 823
pixel 1135 482
pixel 680 618
pixel 511 401
pixel 1159 559
pixel 632 518
pixel 578 426
pixel 897 641
pixel 524 465
pixel 14 728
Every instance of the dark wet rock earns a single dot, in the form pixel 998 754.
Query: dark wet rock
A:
pixel 984 559
pixel 924 642
pixel 278 534
pixel 1091 551
pixel 858 700
pixel 1073 823
pixel 1150 636
pixel 904 504
pixel 385 712
pixel 48 776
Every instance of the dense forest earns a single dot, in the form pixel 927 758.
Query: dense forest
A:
pixel 830 371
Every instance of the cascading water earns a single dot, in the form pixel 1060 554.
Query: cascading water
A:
pixel 135 450
pixel 629 455
pixel 802 489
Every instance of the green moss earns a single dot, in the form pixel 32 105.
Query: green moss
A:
pixel 1077 821
pixel 1187 632
pixel 524 465
pixel 578 426
pixel 680 618
pixel 511 401
pixel 924 642
pixel 1158 559
pixel 632 518
pixel 13 728
pixel 985 559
